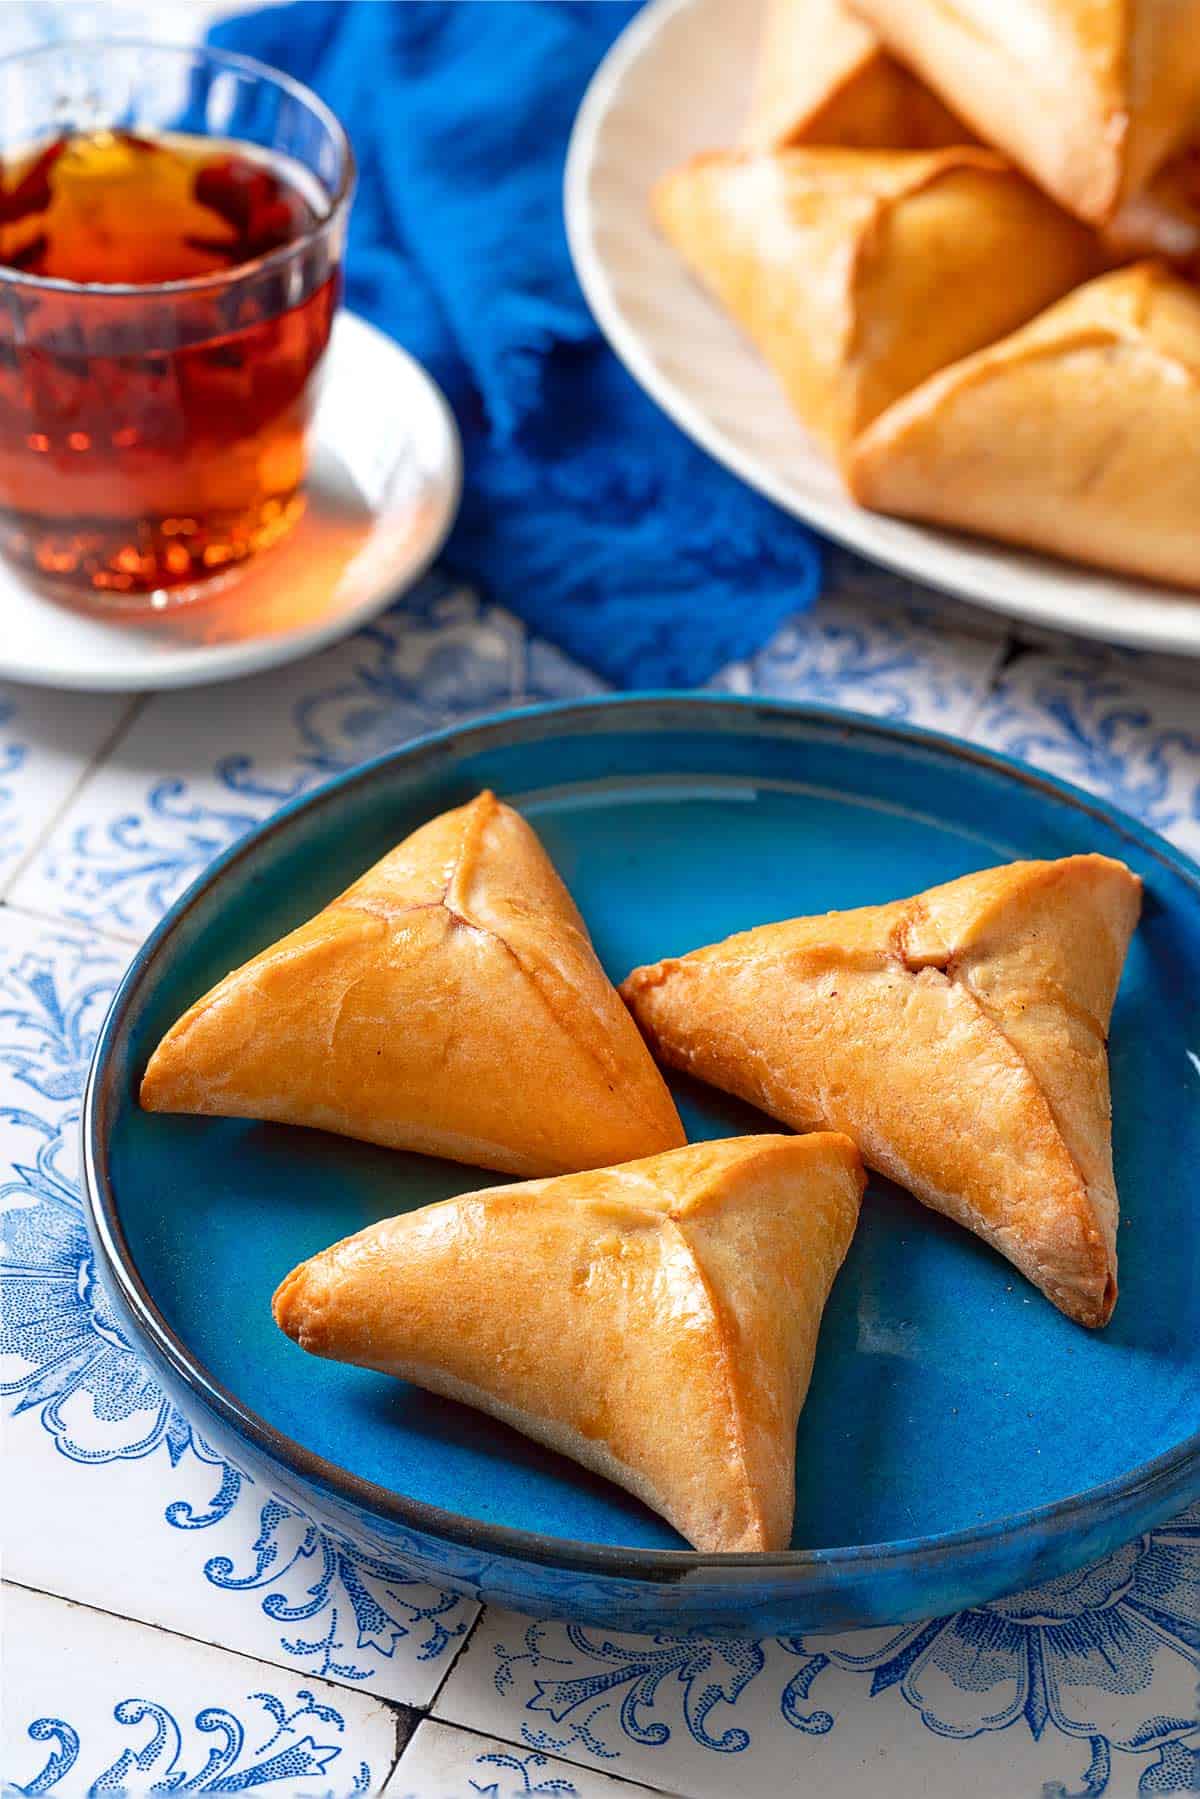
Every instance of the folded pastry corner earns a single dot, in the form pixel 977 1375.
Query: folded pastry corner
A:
pixel 1078 435
pixel 824 78
pixel 1091 98
pixel 959 1037
pixel 666 1327
pixel 825 257
pixel 449 1002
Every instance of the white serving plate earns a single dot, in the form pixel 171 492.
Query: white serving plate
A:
pixel 383 490
pixel 677 81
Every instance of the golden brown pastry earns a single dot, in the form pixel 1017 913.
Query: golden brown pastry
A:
pixel 824 78
pixel 959 1038
pixel 1089 96
pixel 859 273
pixel 1079 435
pixel 450 1001
pixel 666 1329
pixel 1162 219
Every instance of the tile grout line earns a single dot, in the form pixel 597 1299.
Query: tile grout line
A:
pixel 102 752
pixel 403 1711
pixel 397 1708
pixel 999 662
pixel 64 922
pixel 261 1658
pixel 570 1761
pixel 400 1741
pixel 456 1658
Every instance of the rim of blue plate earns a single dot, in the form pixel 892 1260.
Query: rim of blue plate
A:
pixel 1162 1474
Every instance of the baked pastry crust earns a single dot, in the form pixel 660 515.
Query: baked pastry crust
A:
pixel 1089 96
pixel 1078 435
pixel 826 257
pixel 450 1001
pixel 1162 219
pixel 958 1037
pixel 823 77
pixel 666 1325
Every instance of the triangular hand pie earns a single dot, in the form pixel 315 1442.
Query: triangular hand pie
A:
pixel 450 1001
pixel 824 78
pixel 667 1321
pixel 959 1038
pixel 825 258
pixel 1077 435
pixel 1090 96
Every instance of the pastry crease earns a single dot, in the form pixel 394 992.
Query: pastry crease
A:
pixel 825 257
pixel 1091 97
pixel 665 1328
pixel 449 1001
pixel 1075 435
pixel 824 78
pixel 959 1038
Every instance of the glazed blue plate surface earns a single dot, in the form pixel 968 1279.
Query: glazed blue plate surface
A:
pixel 961 1436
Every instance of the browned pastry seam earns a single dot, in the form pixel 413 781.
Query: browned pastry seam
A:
pixel 1116 118
pixel 721 1254
pixel 476 819
pixel 725 1349
pixel 868 239
pixel 1081 1204
pixel 473 829
pixel 1078 1206
pixel 948 962
pixel 916 950
pixel 1071 435
pixel 816 958
pixel 975 370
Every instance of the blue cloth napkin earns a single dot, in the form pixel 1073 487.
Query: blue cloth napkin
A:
pixel 586 511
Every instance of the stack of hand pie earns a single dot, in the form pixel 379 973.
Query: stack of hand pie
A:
pixel 451 1002
pixel 962 233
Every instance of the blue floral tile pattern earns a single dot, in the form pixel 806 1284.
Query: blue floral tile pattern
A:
pixel 443 1762
pixel 76 1391
pixel 1089 1683
pixel 168 800
pixel 1094 718
pixel 228 1766
pixel 1080 1655
pixel 1087 1687
pixel 874 644
pixel 95 1704
pixel 46 741
pixel 177 791
pixel 549 675
pixel 13 755
pixel 1100 1668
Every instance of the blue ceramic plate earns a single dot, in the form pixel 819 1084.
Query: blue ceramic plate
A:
pixel 961 1437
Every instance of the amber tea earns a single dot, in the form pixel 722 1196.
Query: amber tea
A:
pixel 153 435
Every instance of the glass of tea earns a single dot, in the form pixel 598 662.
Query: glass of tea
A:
pixel 171 231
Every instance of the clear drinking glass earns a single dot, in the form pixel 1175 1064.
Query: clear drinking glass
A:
pixel 172 223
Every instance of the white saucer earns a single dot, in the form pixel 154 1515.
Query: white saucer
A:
pixel 675 82
pixel 383 490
